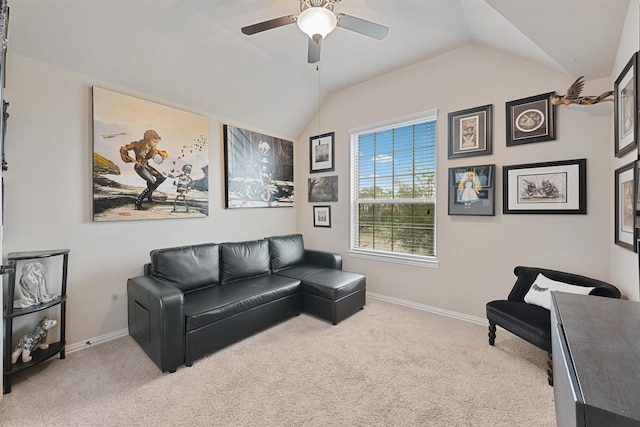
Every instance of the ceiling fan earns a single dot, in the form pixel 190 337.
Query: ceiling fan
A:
pixel 317 19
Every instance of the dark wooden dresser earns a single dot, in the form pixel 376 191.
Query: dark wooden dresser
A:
pixel 596 360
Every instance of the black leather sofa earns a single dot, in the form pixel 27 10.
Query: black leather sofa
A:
pixel 194 300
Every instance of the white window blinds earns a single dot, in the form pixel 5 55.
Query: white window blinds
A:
pixel 393 187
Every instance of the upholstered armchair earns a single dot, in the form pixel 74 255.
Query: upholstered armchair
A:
pixel 519 313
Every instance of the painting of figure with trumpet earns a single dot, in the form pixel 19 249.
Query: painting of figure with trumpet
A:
pixel 150 161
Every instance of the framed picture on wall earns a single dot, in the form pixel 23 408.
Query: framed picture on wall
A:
pixel 323 189
pixel 625 201
pixel 321 153
pixel 545 188
pixel 471 190
pixel 322 216
pixel 258 170
pixel 531 119
pixel 637 199
pixel 626 107
pixel 471 132
pixel 150 161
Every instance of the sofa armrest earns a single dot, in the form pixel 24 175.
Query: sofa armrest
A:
pixel 323 259
pixel 156 320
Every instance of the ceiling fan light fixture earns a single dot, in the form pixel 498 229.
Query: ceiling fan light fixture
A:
pixel 317 21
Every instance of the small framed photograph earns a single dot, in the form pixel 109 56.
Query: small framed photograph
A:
pixel 531 119
pixel 471 132
pixel 321 153
pixel 322 216
pixel 471 190
pixel 545 188
pixel 626 105
pixel 625 191
pixel 323 189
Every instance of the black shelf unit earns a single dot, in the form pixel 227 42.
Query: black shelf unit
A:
pixel 10 313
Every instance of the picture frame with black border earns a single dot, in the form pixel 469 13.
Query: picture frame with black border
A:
pixel 321 153
pixel 322 216
pixel 637 198
pixel 637 209
pixel 471 190
pixel 558 187
pixel 471 132
pixel 625 178
pixel 531 119
pixel 626 108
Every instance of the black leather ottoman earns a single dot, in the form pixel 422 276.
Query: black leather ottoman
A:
pixel 328 293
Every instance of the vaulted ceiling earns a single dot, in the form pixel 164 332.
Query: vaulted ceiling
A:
pixel 191 52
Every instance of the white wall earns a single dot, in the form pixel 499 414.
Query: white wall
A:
pixel 624 263
pixel 477 254
pixel 48 197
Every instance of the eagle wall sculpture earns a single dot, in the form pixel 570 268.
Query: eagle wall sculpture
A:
pixel 574 95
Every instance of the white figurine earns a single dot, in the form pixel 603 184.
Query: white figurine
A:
pixel 33 341
pixel 33 287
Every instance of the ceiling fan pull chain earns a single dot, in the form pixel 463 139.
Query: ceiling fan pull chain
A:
pixel 319 97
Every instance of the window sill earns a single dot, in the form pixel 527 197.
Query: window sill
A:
pixel 419 261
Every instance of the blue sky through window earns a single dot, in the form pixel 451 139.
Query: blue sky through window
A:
pixel 389 158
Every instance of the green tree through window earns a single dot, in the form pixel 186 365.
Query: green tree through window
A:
pixel 393 188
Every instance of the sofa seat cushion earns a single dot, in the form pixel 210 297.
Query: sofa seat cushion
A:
pixel 522 319
pixel 209 305
pixel 326 282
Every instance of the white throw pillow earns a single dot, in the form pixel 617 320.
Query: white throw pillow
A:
pixel 540 291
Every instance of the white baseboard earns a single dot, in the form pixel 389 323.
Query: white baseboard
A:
pixel 124 332
pixel 430 309
pixel 96 340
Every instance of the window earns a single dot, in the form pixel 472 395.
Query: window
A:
pixel 393 189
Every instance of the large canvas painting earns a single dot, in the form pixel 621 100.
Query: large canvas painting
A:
pixel 258 169
pixel 150 161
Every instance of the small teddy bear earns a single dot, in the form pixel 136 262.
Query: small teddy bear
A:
pixel 33 341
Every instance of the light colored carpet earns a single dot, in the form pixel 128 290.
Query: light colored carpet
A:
pixel 387 365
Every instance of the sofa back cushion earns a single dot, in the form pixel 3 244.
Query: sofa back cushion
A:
pixel 286 251
pixel 527 276
pixel 244 259
pixel 187 267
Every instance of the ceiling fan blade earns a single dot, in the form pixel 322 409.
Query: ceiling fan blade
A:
pixel 362 26
pixel 314 50
pixel 267 25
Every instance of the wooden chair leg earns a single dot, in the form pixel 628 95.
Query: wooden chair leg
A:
pixel 492 333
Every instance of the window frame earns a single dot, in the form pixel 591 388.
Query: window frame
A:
pixel 377 254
